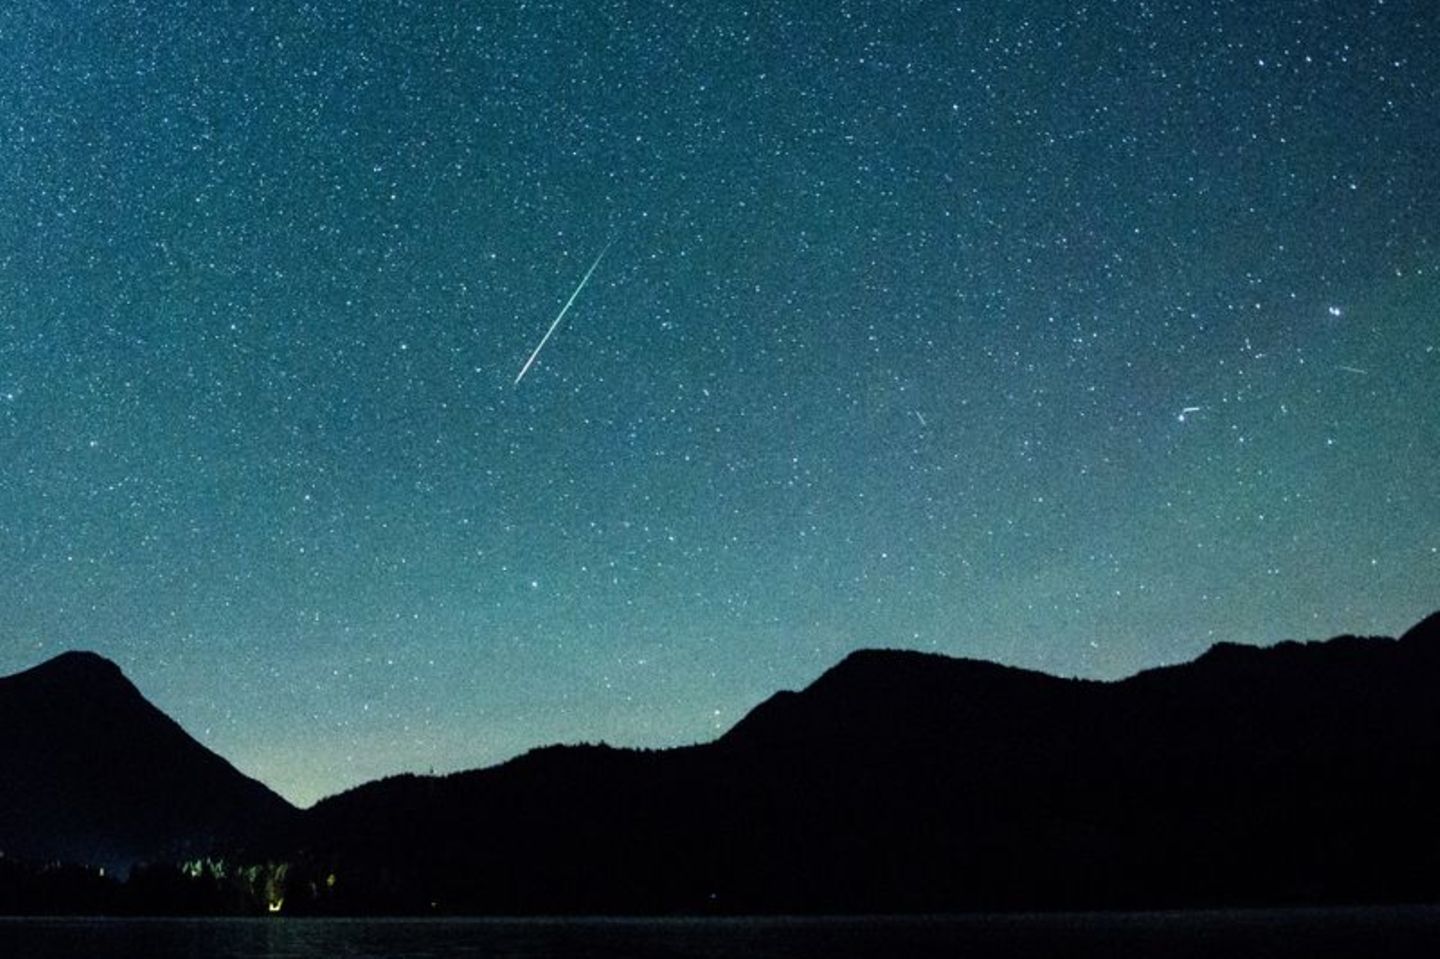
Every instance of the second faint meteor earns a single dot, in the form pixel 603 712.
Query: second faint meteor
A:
pixel 561 315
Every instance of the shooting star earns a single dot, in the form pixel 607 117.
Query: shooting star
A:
pixel 561 315
pixel 1187 411
pixel 1354 369
pixel 921 417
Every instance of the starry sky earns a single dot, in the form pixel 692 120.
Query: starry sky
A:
pixel 1077 336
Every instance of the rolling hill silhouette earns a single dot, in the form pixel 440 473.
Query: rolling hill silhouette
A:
pixel 897 781
pixel 91 772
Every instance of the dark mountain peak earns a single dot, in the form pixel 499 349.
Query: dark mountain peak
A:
pixel 75 666
pixel 75 687
pixel 1244 659
pixel 1229 656
pixel 881 658
pixel 566 750
pixel 79 659
pixel 135 784
pixel 870 670
pixel 1426 631
pixel 76 690
pixel 881 695
pixel 886 669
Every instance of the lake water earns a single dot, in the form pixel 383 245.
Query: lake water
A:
pixel 1369 933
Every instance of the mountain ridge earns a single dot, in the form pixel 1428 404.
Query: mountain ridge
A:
pixel 898 780
pixel 92 666
pixel 909 781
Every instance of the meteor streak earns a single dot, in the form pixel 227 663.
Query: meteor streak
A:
pixel 561 315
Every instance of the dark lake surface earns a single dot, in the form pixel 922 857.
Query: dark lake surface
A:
pixel 1350 932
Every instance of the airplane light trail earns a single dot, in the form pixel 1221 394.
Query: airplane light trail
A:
pixel 561 315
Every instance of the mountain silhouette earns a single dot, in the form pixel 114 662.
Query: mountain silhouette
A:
pixel 1303 773
pixel 902 781
pixel 90 772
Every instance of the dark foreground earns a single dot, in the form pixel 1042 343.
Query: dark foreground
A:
pixel 896 783
pixel 1370 932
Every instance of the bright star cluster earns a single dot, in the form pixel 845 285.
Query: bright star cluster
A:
pixel 1077 336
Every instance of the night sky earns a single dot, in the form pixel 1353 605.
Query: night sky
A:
pixel 1077 336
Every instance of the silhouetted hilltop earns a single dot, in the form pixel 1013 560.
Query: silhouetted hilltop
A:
pixel 888 698
pixel 1421 637
pixel 91 772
